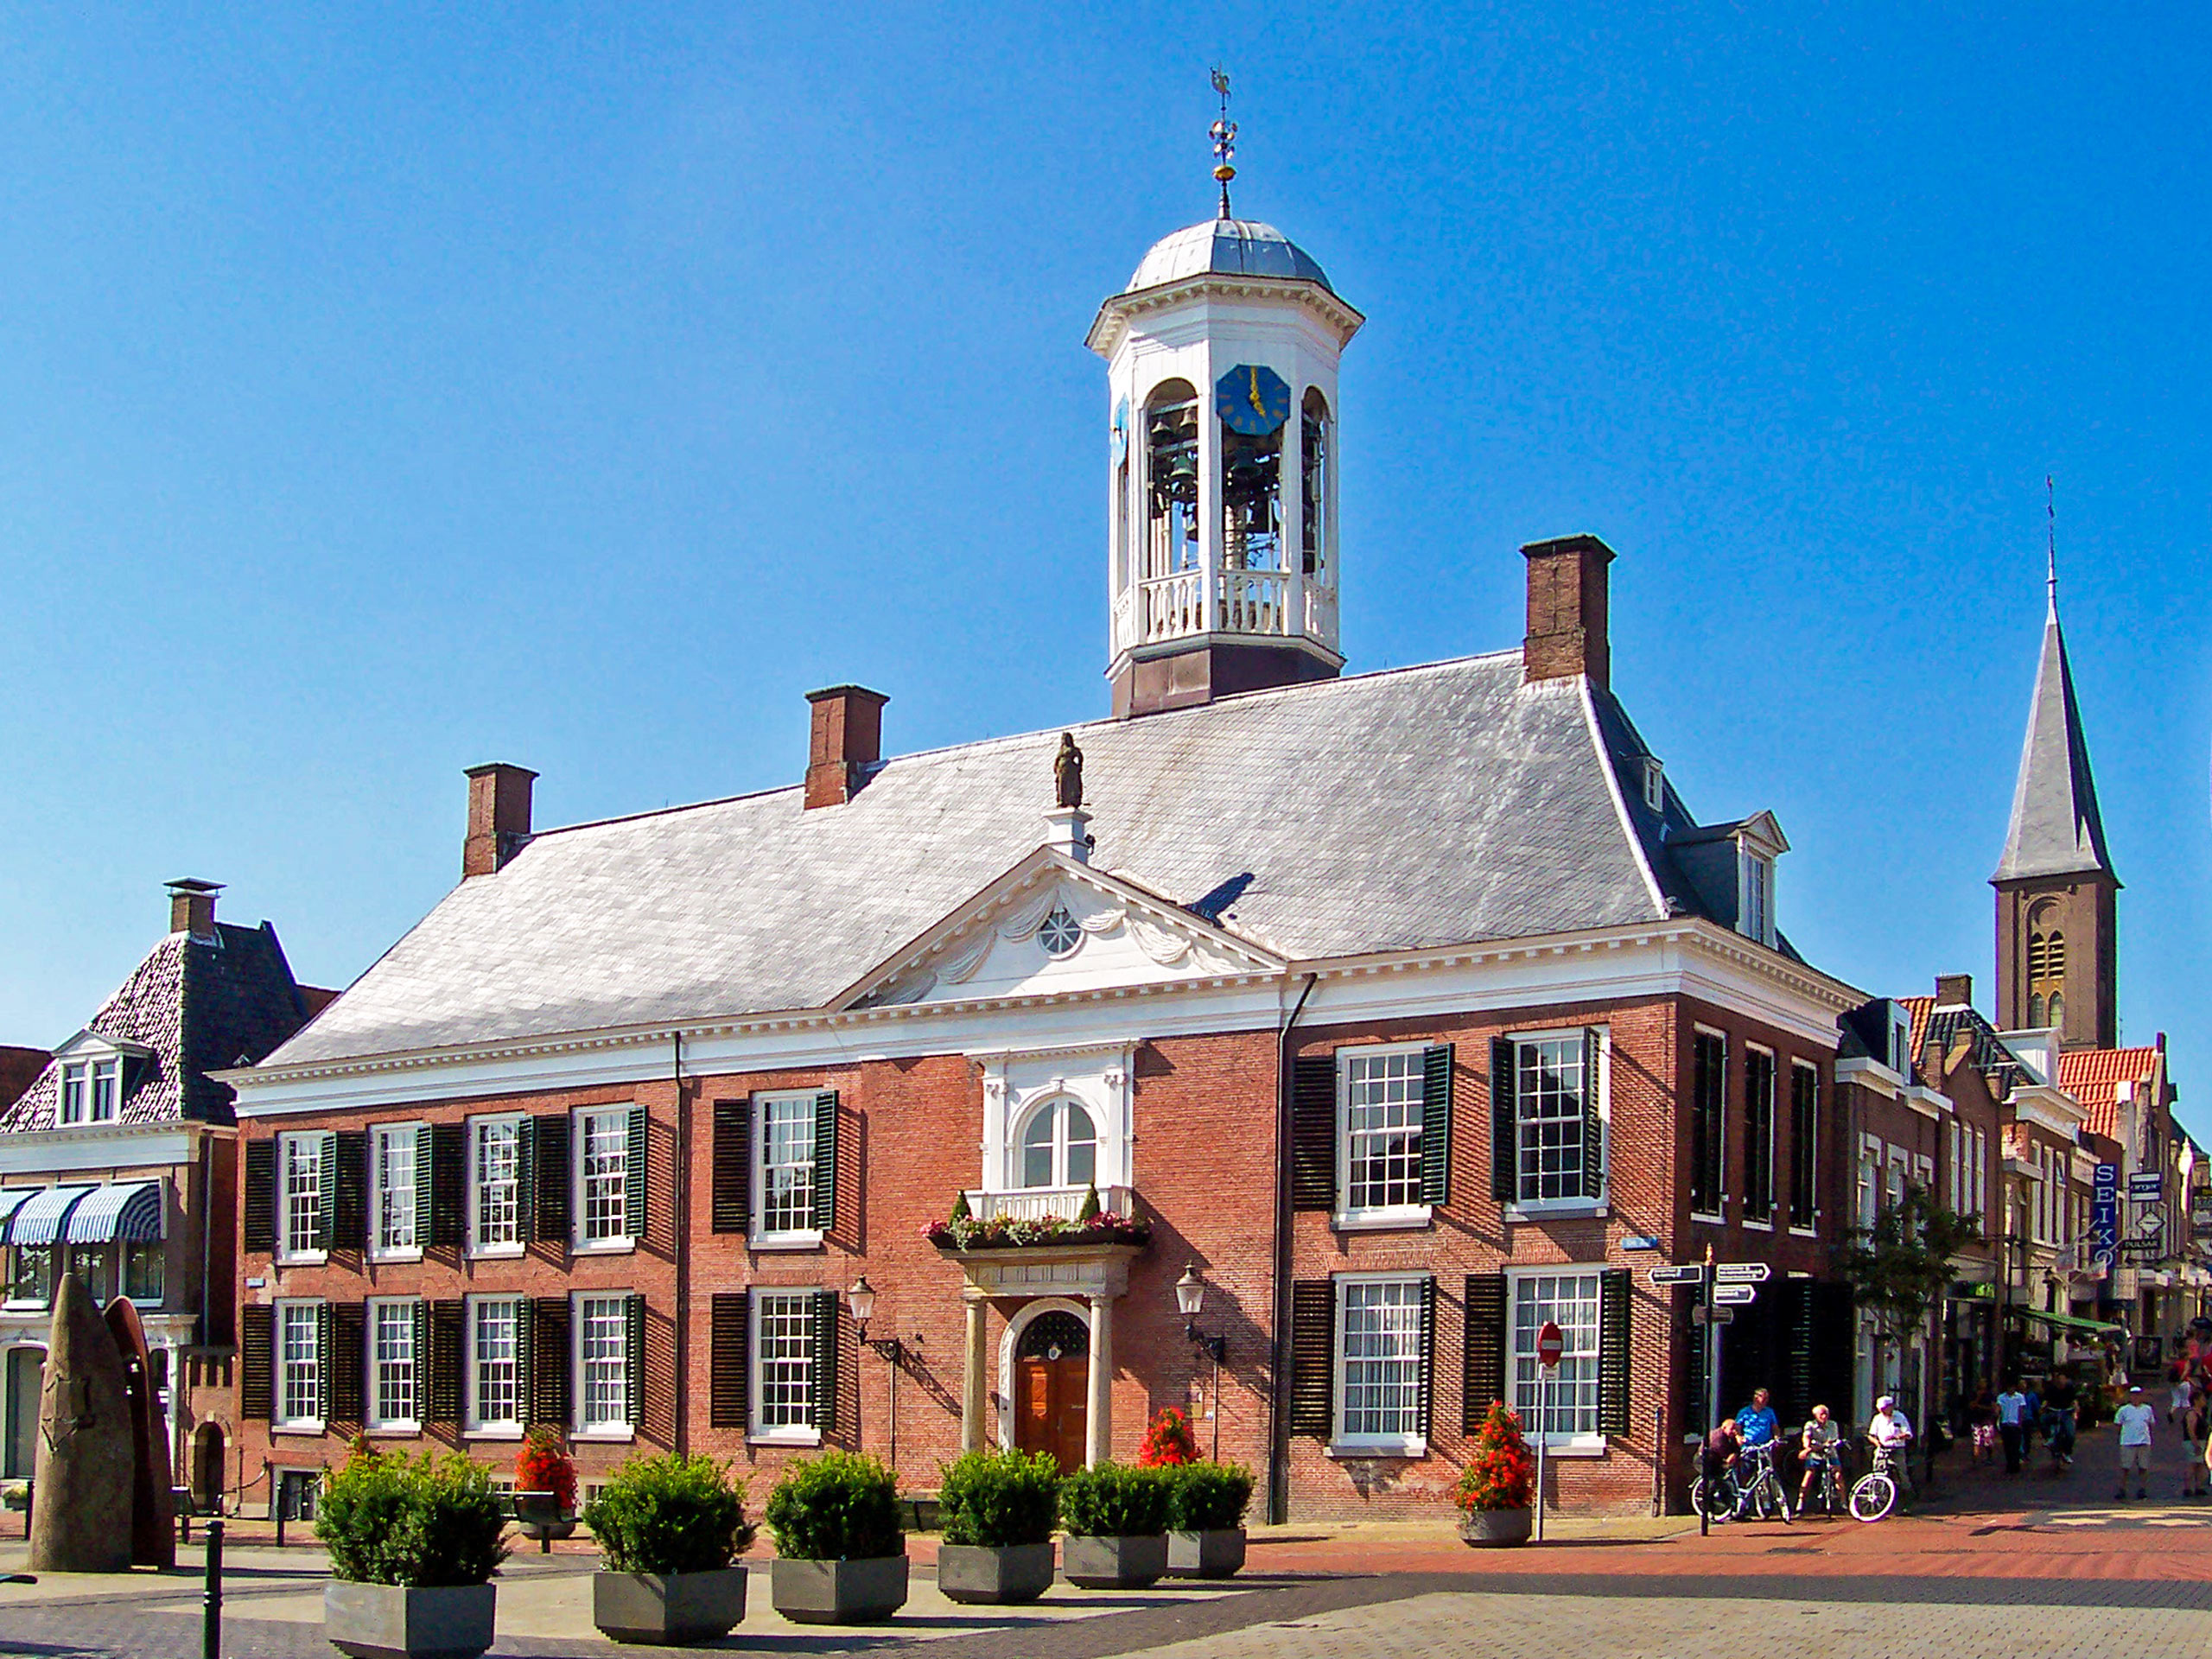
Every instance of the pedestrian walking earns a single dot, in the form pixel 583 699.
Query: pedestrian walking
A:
pixel 2135 1419
pixel 2013 1424
pixel 1981 1420
pixel 2190 1426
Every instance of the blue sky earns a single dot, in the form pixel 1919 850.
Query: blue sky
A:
pixel 385 390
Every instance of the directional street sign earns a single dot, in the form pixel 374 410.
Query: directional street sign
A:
pixel 2144 1186
pixel 1691 1274
pixel 1724 1295
pixel 1742 1273
pixel 1712 1316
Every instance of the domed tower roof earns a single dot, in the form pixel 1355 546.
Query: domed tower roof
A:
pixel 1228 247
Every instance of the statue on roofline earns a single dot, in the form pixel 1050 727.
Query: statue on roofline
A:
pixel 1067 772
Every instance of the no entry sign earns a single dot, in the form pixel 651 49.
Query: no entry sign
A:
pixel 1549 1346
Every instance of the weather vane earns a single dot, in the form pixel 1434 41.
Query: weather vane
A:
pixel 2050 511
pixel 1224 141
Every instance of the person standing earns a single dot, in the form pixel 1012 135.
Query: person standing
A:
pixel 2134 1419
pixel 2190 1423
pixel 1981 1422
pixel 2013 1424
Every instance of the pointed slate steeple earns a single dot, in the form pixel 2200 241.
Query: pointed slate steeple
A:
pixel 2056 829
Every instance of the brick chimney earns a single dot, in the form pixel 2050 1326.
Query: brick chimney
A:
pixel 192 907
pixel 1567 610
pixel 1954 990
pixel 847 739
pixel 498 817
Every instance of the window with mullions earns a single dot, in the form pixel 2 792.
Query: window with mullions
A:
pixel 1059 1146
pixel 494 1364
pixel 495 1196
pixel 393 1376
pixel 1709 1090
pixel 783 1364
pixel 1804 1144
pixel 143 1261
pixel 602 1364
pixel 603 1176
pixel 1380 1327
pixel 1571 1301
pixel 1382 1130
pixel 1758 1135
pixel 304 1179
pixel 1554 1083
pixel 299 1362
pixel 395 1166
pixel 32 1278
pixel 787 1143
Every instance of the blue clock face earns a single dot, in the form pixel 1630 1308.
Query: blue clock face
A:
pixel 1251 399
pixel 1118 445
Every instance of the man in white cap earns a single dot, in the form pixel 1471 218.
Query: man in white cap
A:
pixel 1891 1431
pixel 2134 1419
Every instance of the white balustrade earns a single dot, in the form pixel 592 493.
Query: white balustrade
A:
pixel 1045 1203
pixel 1252 602
pixel 1173 606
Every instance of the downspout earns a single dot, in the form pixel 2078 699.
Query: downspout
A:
pixel 682 1180
pixel 1278 1439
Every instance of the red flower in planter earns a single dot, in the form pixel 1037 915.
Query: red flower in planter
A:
pixel 543 1465
pixel 1502 1474
pixel 1169 1442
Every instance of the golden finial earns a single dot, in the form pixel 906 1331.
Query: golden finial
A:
pixel 1225 140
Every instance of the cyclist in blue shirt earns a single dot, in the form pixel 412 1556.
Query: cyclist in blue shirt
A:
pixel 1760 1425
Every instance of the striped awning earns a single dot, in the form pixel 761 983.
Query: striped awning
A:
pixel 40 1220
pixel 126 1210
pixel 12 1198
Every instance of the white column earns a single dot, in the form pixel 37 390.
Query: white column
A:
pixel 974 1436
pixel 1098 1405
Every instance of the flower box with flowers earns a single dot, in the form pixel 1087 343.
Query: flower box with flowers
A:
pixel 966 1232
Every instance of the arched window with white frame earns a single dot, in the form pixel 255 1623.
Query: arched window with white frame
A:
pixel 1058 1146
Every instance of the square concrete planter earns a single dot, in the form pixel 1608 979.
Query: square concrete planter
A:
pixel 671 1609
pixel 839 1593
pixel 1127 1563
pixel 396 1621
pixel 1001 1576
pixel 1217 1553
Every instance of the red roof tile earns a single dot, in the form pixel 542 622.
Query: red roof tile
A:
pixel 2093 1076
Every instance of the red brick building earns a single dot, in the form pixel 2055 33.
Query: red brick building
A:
pixel 1402 1011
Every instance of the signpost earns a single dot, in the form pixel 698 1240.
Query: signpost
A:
pixel 1742 1273
pixel 2146 1187
pixel 1550 1344
pixel 1734 1295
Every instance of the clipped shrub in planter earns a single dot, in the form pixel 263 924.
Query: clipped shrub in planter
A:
pixel 1117 1519
pixel 670 1529
pixel 1168 1441
pixel 1495 1490
pixel 998 1509
pixel 1205 1519
pixel 412 1542
pixel 841 1551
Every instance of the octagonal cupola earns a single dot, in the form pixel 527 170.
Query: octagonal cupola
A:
pixel 1223 564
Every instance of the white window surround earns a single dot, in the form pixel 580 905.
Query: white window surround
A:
pixel 1577 1351
pixel 1059 1133
pixel 373 1362
pixel 299 1372
pixel 759 1432
pixel 783 1129
pixel 1568 1208
pixel 1373 1217
pixel 300 1162
pixel 1016 1083
pixel 582 1124
pixel 1778 1186
pixel 1344 1444
pixel 1796 1067
pixel 1655 784
pixel 383 1163
pixel 590 1367
pixel 1727 1060
pixel 475 1425
pixel 477 1127
pixel 1755 894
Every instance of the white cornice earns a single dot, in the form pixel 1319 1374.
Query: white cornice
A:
pixel 1870 1073
pixel 29 1151
pixel 1117 313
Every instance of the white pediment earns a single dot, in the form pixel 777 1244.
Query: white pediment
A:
pixel 1050 926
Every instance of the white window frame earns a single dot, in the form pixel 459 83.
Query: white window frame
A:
pixel 378 1423
pixel 762 1433
pixel 474 1424
pixel 1056 1106
pixel 580 1122
pixel 1789 1209
pixel 1342 1444
pixel 77 1078
pixel 1720 1171
pixel 379 1136
pixel 579 1303
pixel 1755 895
pixel 477 1250
pixel 1522 1208
pixel 288 1254
pixel 279 1416
pixel 1655 784
pixel 108 1071
pixel 787 1238
pixel 1777 1197
pixel 1348 1217
pixel 1571 1444
pixel 158 1250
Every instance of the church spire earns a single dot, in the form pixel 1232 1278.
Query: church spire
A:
pixel 2056 827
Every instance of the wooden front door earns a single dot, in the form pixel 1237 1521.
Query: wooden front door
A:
pixel 1050 1406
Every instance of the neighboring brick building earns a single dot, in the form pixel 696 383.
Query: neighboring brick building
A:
pixel 116 1162
pixel 1404 1011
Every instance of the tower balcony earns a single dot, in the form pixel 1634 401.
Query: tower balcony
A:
pixel 1047 1203
pixel 1266 604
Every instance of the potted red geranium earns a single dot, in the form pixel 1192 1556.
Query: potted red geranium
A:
pixel 1495 1491
pixel 545 1487
pixel 1168 1442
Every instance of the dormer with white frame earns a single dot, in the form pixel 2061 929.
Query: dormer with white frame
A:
pixel 95 1074
pixel 1732 867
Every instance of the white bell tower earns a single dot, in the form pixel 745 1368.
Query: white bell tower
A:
pixel 1222 520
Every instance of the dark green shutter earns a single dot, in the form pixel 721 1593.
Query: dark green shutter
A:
pixel 326 1203
pixel 551 1352
pixel 550 1132
pixel 825 1161
pixel 1313 1133
pixel 1427 1357
pixel 526 1180
pixel 822 1412
pixel 1504 1123
pixel 348 1361
pixel 1313 1357
pixel 729 1382
pixel 256 1356
pixel 1482 1353
pixel 1613 1305
pixel 526 1364
pixel 634 1184
pixel 1594 1123
pixel 1436 1124
pixel 731 1207
pixel 448 1354
pixel 322 1352
pixel 634 1357
pixel 349 1221
pixel 421 1352
pixel 449 1184
pixel 260 1204
pixel 423 1227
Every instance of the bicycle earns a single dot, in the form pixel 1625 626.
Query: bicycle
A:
pixel 1750 1489
pixel 1874 1493
pixel 1826 1487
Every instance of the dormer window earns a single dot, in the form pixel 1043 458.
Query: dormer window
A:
pixel 1655 784
pixel 1757 907
pixel 1900 1041
pixel 91 1090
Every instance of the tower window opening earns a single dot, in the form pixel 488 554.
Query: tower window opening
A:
pixel 1171 428
pixel 1313 481
pixel 1251 499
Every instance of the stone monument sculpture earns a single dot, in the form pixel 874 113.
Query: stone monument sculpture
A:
pixel 87 1459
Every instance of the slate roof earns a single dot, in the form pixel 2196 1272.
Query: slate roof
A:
pixel 2055 828
pixel 1420 807
pixel 2093 1076
pixel 200 1005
